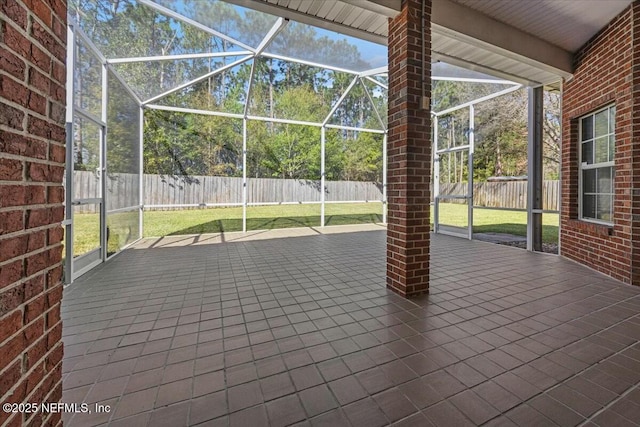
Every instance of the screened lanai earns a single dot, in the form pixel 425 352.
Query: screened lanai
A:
pixel 211 106
pixel 249 329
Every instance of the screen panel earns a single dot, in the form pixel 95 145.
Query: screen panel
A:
pixel 123 147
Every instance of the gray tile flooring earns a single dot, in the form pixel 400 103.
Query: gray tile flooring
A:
pixel 302 331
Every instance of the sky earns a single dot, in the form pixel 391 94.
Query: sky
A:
pixel 373 53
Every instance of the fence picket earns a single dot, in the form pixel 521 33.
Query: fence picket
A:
pixel 122 190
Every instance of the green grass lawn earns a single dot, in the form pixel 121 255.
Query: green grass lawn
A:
pixel 86 236
pixel 497 221
pixel 164 223
pixel 216 220
pixel 123 230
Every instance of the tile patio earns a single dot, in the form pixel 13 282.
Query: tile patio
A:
pixel 271 330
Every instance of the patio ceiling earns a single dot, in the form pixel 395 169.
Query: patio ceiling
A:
pixel 526 42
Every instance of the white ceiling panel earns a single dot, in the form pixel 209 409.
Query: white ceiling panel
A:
pixel 458 53
pixel 564 23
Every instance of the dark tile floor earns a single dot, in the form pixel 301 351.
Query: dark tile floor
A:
pixel 302 330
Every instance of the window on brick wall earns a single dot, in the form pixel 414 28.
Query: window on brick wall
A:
pixel 597 167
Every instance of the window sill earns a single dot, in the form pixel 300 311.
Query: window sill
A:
pixel 593 228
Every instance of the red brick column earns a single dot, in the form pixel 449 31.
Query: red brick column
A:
pixel 32 155
pixel 409 150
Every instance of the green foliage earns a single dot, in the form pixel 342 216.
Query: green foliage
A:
pixel 500 131
pixel 186 145
pixel 363 158
pixel 123 129
pixel 180 144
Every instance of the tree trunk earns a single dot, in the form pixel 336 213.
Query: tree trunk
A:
pixel 271 84
pixel 498 168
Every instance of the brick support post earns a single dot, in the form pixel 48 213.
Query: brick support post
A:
pixel 409 149
pixel 32 155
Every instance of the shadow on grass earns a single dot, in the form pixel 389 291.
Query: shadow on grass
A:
pixel 549 232
pixel 235 224
pixel 370 218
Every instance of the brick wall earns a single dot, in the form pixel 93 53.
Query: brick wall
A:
pixel 633 153
pixel 604 75
pixel 409 152
pixel 32 155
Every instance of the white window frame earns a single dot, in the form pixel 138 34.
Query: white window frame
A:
pixel 582 166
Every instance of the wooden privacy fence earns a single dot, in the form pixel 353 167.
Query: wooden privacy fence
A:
pixel 123 191
pixel 507 194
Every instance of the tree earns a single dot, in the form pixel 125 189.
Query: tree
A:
pixel 189 145
pixel 291 151
pixel 501 132
pixel 183 145
pixel 123 135
pixel 363 159
pixel 551 134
